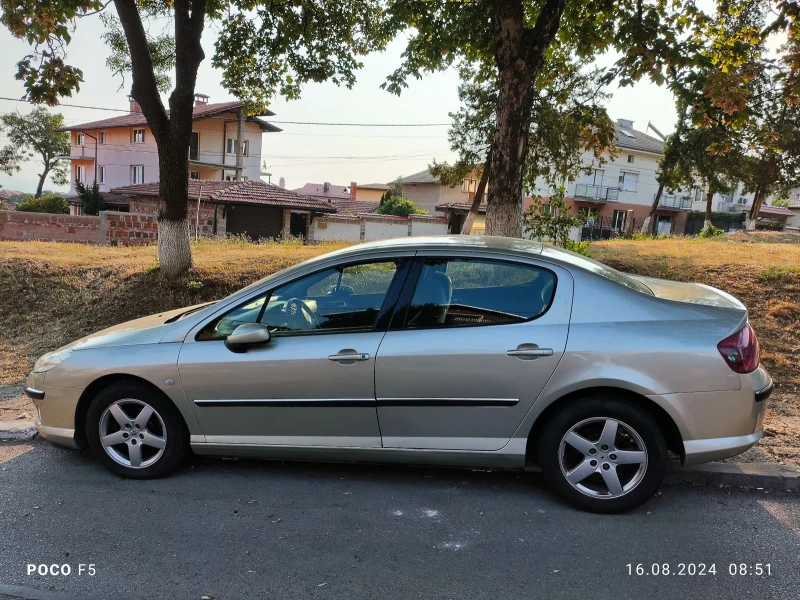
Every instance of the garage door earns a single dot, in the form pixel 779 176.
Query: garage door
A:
pixel 255 221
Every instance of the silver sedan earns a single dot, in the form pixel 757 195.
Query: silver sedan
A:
pixel 462 351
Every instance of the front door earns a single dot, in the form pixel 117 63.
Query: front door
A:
pixel 478 341
pixel 664 225
pixel 313 383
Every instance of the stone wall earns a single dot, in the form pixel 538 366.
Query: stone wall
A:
pixel 127 229
pixel 19 225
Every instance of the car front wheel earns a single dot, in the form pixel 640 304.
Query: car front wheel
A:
pixel 603 454
pixel 136 432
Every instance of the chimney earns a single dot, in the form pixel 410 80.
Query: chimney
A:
pixel 625 123
pixel 282 182
pixel 200 99
pixel 353 188
pixel 326 186
pixel 135 108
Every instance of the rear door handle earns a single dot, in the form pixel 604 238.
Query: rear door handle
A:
pixel 349 356
pixel 529 352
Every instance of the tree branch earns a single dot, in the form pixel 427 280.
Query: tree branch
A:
pixel 145 87
pixel 539 38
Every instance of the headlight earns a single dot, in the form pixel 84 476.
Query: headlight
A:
pixel 51 360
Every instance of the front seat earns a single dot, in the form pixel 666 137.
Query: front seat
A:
pixel 429 305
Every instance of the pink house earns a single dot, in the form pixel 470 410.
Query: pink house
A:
pixel 121 151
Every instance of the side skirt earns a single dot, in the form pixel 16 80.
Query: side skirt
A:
pixel 512 456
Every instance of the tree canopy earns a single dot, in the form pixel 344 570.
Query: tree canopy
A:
pixel 263 49
pixel 36 135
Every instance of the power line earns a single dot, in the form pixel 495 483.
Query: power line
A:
pixel 319 123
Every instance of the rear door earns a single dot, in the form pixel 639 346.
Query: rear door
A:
pixel 472 344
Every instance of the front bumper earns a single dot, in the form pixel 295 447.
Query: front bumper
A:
pixel 55 410
pixel 57 435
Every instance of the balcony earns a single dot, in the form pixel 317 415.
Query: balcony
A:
pixel 596 193
pixel 673 202
pixel 731 207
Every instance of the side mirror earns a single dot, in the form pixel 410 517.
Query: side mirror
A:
pixel 247 334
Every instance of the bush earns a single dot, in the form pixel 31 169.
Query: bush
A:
pixel 711 232
pixel 93 201
pixel 551 221
pixel 578 247
pixel 50 203
pixel 194 287
pixel 394 203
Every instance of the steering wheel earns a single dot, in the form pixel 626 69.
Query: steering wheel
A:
pixel 300 315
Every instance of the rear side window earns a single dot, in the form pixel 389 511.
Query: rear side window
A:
pixel 455 292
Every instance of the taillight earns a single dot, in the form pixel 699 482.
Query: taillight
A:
pixel 741 350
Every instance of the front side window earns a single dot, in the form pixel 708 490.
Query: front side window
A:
pixel 454 292
pixel 342 299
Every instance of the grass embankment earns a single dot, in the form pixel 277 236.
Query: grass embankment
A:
pixel 52 293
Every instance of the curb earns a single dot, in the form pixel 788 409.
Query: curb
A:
pixel 753 475
pixel 20 430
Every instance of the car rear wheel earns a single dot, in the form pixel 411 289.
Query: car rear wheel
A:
pixel 136 432
pixel 603 454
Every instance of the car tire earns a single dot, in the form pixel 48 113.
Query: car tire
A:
pixel 136 432
pixel 577 462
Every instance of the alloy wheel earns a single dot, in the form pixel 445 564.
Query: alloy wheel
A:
pixel 602 457
pixel 132 433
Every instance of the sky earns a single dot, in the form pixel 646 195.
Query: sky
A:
pixel 311 153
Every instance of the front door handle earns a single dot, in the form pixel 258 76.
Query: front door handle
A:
pixel 529 352
pixel 349 356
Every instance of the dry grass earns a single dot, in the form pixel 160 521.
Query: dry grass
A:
pixel 56 292
pixel 52 293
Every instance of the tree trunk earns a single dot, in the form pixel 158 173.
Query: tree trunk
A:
pixel 172 133
pixel 174 251
pixel 758 200
pixel 42 178
pixel 649 225
pixel 519 54
pixel 476 201
pixel 707 222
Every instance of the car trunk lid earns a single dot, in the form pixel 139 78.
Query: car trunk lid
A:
pixel 691 293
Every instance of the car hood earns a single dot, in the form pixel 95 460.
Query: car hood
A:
pixel 691 293
pixel 145 330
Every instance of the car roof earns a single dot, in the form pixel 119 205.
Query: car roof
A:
pixel 447 242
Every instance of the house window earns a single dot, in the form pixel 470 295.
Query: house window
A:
pixel 101 173
pixel 138 136
pixel 233 145
pixel 194 146
pixel 80 174
pixel 102 139
pixel 618 220
pixel 630 158
pixel 628 182
pixel 246 148
pixel 194 174
pixel 137 174
pixel 469 186
pixel 80 138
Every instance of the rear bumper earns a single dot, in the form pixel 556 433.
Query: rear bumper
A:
pixel 700 451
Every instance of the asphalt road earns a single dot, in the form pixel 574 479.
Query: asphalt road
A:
pixel 249 530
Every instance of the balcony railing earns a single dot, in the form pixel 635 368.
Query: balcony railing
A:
pixel 673 201
pixel 731 207
pixel 596 193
